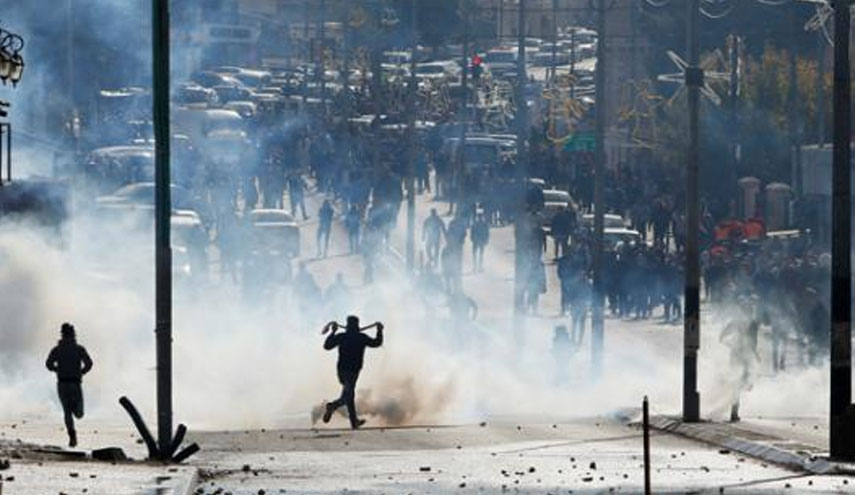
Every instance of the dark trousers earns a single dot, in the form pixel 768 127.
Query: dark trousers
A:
pixel 71 398
pixel 348 379
pixel 323 240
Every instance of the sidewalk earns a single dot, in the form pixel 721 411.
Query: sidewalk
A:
pixel 794 443
pixel 43 468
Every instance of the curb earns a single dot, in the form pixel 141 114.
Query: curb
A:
pixel 763 447
pixel 188 485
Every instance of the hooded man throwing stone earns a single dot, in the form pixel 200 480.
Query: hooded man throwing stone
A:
pixel 351 352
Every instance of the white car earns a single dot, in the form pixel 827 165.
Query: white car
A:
pixel 275 232
pixel 448 70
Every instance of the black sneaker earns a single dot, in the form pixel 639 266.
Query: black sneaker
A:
pixel 358 424
pixel 328 412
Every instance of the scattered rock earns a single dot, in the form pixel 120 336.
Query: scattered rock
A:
pixel 592 466
pixel 588 479
pixel 531 469
pixel 724 451
pixel 463 485
pixel 482 424
pixel 425 469
pixel 246 468
pixel 74 475
pixel 4 464
pixel 705 469
pixel 109 454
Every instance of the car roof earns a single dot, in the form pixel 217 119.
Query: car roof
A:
pixel 126 150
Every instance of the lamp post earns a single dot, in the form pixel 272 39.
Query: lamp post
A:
pixel 412 84
pixel 11 61
pixel 841 424
pixel 692 316
pixel 162 213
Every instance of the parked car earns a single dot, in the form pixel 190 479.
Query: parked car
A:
pixel 114 166
pixel 140 197
pixel 447 70
pixel 275 232
pixel 554 200
pixel 610 221
pixel 617 237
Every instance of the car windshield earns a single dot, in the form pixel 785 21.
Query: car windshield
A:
pixel 556 196
pixel 501 57
pixel 430 69
pixel 271 217
pixel 481 153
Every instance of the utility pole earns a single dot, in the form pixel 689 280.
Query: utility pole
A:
pixel 841 431
pixel 501 16
pixel 692 316
pixel 734 110
pixel 597 309
pixel 794 111
pixel 162 214
pixel 411 143
pixel 460 159
pixel 554 39
pixel 573 64
pixel 521 230
pixel 320 66
pixel 820 90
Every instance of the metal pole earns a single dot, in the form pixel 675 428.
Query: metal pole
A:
pixel 573 64
pixel 793 117
pixel 645 424
pixel 692 316
pixel 501 33
pixel 597 308
pixel 521 118
pixel 554 38
pixel 842 440
pixel 162 213
pixel 460 160
pixel 734 108
pixel 820 89
pixel 320 67
pixel 411 144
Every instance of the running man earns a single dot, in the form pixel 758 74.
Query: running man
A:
pixel 70 361
pixel 351 352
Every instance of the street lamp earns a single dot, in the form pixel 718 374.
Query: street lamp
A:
pixel 11 61
pixel 17 69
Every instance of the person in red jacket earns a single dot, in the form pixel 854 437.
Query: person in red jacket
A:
pixel 70 361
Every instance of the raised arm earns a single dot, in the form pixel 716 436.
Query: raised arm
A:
pixel 377 341
pixel 333 340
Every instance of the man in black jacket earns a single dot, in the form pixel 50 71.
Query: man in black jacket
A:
pixel 70 361
pixel 351 353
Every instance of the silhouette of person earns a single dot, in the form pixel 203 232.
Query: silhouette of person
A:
pixel 70 361
pixel 325 216
pixel 351 351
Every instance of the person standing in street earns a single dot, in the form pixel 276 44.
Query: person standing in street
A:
pixel 480 238
pixel 296 193
pixel 70 361
pixel 433 230
pixel 351 346
pixel 325 218
pixel 352 222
